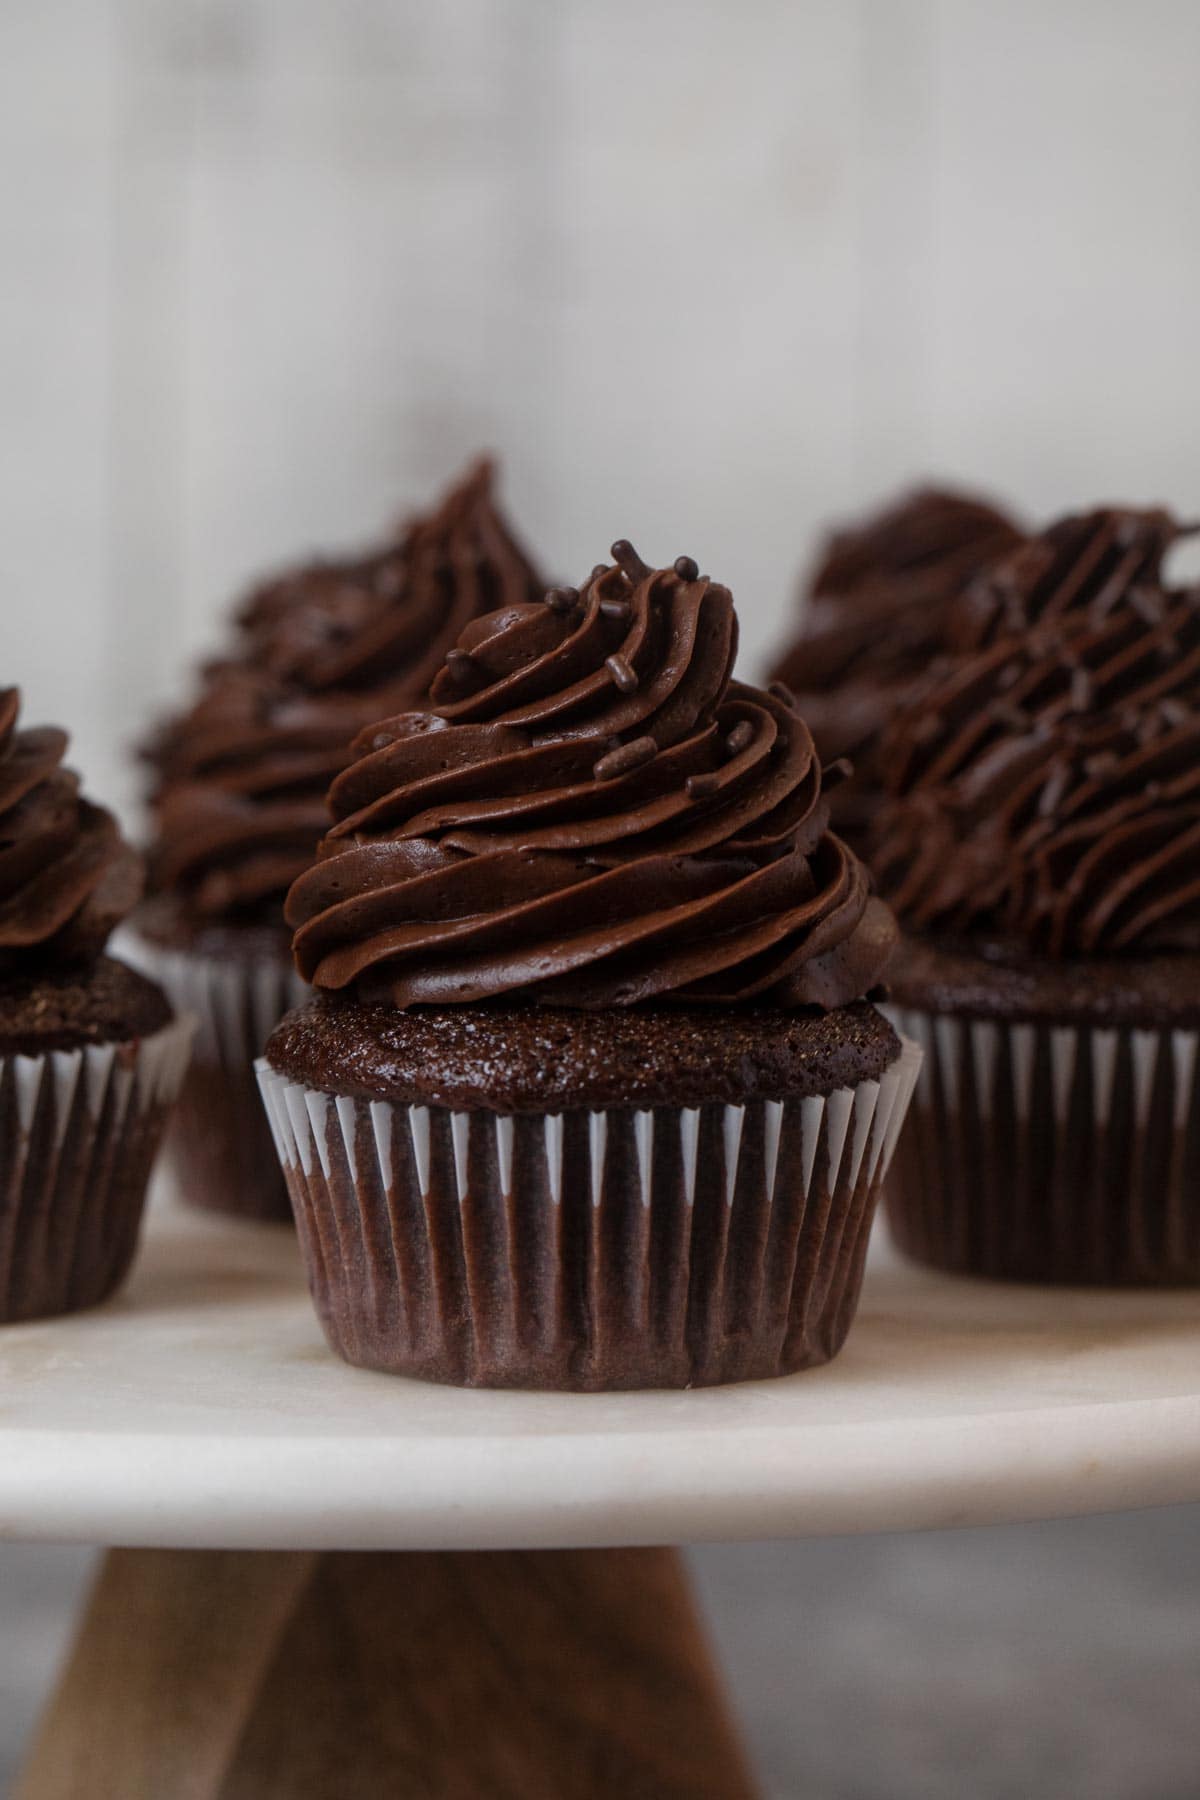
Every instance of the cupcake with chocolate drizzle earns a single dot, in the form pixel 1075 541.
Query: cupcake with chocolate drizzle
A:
pixel 874 613
pixel 91 1056
pixel 592 1094
pixel 1042 847
pixel 239 797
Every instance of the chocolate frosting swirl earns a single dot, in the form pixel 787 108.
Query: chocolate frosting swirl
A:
pixel 1085 561
pixel 877 604
pixel 1047 785
pixel 321 651
pixel 67 877
pixel 593 814
pixel 876 612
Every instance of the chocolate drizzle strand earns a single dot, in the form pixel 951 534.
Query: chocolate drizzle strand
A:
pixel 593 814
pixel 67 877
pixel 1046 785
pixel 241 776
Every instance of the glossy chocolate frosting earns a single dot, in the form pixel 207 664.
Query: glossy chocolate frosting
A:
pixel 67 876
pixel 876 611
pixel 593 814
pixel 1047 785
pixel 242 775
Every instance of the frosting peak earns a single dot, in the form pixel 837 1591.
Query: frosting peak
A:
pixel 67 877
pixel 593 814
pixel 320 652
pixel 389 616
pixel 1047 782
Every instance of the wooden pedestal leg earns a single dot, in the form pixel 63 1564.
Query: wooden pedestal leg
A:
pixel 531 1675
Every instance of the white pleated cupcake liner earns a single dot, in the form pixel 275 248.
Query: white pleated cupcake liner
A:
pixel 218 1146
pixel 1065 1153
pixel 670 1246
pixel 78 1133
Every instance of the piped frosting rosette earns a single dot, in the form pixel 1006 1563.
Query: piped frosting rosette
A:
pixel 595 851
pixel 1043 842
pixel 593 814
pixel 66 874
pixel 875 612
pixel 240 801
pixel 880 597
pixel 242 776
pixel 1085 562
pixel 81 1111
pixel 1047 788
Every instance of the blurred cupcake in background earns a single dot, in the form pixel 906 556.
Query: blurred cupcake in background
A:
pixel 592 1094
pixel 238 800
pixel 91 1056
pixel 874 613
pixel 1041 845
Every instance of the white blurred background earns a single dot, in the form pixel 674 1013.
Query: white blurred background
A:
pixel 703 272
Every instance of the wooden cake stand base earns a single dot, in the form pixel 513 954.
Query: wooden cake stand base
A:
pixel 439 1675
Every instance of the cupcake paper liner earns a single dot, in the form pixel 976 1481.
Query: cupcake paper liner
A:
pixel 668 1247
pixel 218 1144
pixel 1051 1153
pixel 79 1130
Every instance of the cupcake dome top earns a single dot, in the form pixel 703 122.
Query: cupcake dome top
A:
pixel 67 877
pixel 241 776
pixel 1046 786
pixel 592 814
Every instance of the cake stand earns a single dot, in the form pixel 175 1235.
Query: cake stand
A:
pixel 227 1651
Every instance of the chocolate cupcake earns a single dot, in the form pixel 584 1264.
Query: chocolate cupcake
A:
pixel 875 612
pixel 239 800
pixel 91 1057
pixel 590 1096
pixel 1042 845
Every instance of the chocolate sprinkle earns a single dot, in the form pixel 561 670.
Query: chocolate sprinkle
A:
pixel 687 568
pixel 623 673
pixel 1053 792
pixel 699 787
pixel 562 599
pixel 624 758
pixel 616 609
pixel 1147 604
pixel 740 738
pixel 630 562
